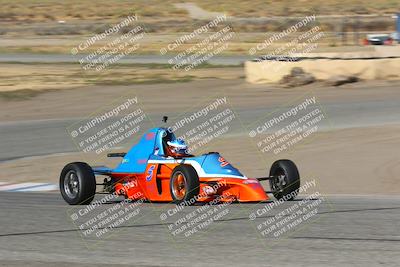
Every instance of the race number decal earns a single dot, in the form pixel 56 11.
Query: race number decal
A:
pixel 223 161
pixel 150 173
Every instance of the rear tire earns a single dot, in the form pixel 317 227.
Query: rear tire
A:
pixel 184 184
pixel 77 183
pixel 286 183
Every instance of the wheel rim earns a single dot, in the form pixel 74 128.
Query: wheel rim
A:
pixel 179 185
pixel 279 180
pixel 71 184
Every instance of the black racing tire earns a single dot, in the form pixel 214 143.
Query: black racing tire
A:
pixel 77 183
pixel 286 181
pixel 184 184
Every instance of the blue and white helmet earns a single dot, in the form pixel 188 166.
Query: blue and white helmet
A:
pixel 177 147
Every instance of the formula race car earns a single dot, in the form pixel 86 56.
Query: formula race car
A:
pixel 158 168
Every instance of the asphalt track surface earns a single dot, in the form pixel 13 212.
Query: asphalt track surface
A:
pixel 347 231
pixel 36 229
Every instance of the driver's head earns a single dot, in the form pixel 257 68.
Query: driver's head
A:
pixel 177 148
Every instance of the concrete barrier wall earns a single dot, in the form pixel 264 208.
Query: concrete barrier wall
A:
pixel 268 71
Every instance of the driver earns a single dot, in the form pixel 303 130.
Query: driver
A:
pixel 177 148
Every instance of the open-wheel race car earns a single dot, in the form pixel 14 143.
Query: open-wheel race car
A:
pixel 159 169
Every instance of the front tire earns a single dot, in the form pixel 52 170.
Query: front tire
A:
pixel 184 184
pixel 286 181
pixel 77 183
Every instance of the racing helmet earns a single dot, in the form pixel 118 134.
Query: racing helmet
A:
pixel 177 148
